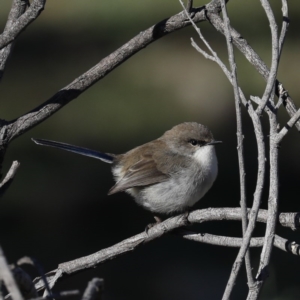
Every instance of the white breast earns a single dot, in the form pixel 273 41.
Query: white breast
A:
pixel 184 189
pixel 206 157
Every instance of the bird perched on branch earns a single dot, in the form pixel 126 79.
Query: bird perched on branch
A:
pixel 167 175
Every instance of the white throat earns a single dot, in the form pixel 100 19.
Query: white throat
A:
pixel 206 157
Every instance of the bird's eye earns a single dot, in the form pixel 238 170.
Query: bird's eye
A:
pixel 193 142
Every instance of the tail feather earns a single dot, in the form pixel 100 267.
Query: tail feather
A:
pixel 108 158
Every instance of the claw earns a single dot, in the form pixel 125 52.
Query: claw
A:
pixel 157 221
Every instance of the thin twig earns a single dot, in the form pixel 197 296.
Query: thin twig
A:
pixel 285 24
pixel 240 137
pixel 249 53
pixel 275 57
pixel 189 5
pixel 18 7
pixel 6 182
pixel 93 290
pixel 226 241
pixel 214 57
pixel 33 262
pixel 288 126
pixel 52 278
pixel 22 22
pixel 256 201
pixel 265 256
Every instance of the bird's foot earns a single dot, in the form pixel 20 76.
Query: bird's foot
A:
pixel 185 218
pixel 157 221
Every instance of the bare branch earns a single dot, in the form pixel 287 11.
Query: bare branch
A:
pixel 6 182
pixel 17 9
pixel 252 57
pixel 285 24
pixel 226 241
pixel 240 137
pixel 291 220
pixel 33 262
pixel 130 244
pixel 189 5
pixel 275 57
pixel 94 288
pixel 22 22
pixel 259 184
pixel 51 277
pixel 104 67
pixel 214 57
pixel 288 126
pixel 265 256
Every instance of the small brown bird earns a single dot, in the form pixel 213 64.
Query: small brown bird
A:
pixel 167 175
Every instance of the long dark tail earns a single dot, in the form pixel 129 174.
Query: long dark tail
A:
pixel 108 158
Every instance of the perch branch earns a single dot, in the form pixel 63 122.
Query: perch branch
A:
pixel 130 244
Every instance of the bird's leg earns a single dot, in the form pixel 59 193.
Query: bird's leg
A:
pixel 157 221
pixel 185 218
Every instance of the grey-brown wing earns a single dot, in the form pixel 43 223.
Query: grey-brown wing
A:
pixel 143 173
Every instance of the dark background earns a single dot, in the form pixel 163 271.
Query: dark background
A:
pixel 57 208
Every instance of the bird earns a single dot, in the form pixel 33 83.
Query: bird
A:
pixel 165 176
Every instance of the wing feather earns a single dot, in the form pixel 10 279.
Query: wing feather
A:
pixel 142 173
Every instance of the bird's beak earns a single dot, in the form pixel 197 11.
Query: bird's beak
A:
pixel 214 142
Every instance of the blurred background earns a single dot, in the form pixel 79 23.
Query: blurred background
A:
pixel 57 209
